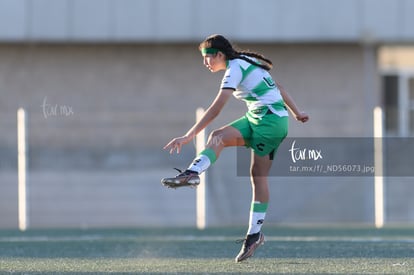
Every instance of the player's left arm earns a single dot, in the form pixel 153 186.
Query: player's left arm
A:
pixel 299 115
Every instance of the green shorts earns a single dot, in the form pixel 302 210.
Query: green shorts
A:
pixel 262 135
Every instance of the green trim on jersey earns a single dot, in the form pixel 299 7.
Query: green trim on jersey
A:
pixel 255 87
pixel 265 86
pixel 246 72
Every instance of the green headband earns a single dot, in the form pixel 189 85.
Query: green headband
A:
pixel 205 51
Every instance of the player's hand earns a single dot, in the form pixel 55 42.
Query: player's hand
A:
pixel 303 117
pixel 176 144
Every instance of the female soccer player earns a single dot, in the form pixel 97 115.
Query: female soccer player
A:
pixel 262 128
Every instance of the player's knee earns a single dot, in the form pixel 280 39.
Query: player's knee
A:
pixel 216 133
pixel 216 138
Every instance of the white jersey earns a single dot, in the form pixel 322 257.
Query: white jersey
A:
pixel 255 86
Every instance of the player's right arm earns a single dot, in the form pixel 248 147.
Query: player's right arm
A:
pixel 209 115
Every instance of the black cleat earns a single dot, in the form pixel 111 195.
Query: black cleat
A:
pixel 186 178
pixel 250 244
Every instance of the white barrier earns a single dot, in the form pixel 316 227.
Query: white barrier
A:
pixel 22 169
pixel 201 189
pixel 378 163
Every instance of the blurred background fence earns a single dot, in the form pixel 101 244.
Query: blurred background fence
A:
pixel 106 83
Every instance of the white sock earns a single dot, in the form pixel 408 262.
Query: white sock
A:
pixel 257 216
pixel 200 164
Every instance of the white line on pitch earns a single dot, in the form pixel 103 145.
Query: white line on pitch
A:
pixel 200 238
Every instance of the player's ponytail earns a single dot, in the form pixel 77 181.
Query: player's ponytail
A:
pixel 217 42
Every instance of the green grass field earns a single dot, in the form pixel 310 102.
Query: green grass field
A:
pixel 189 251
